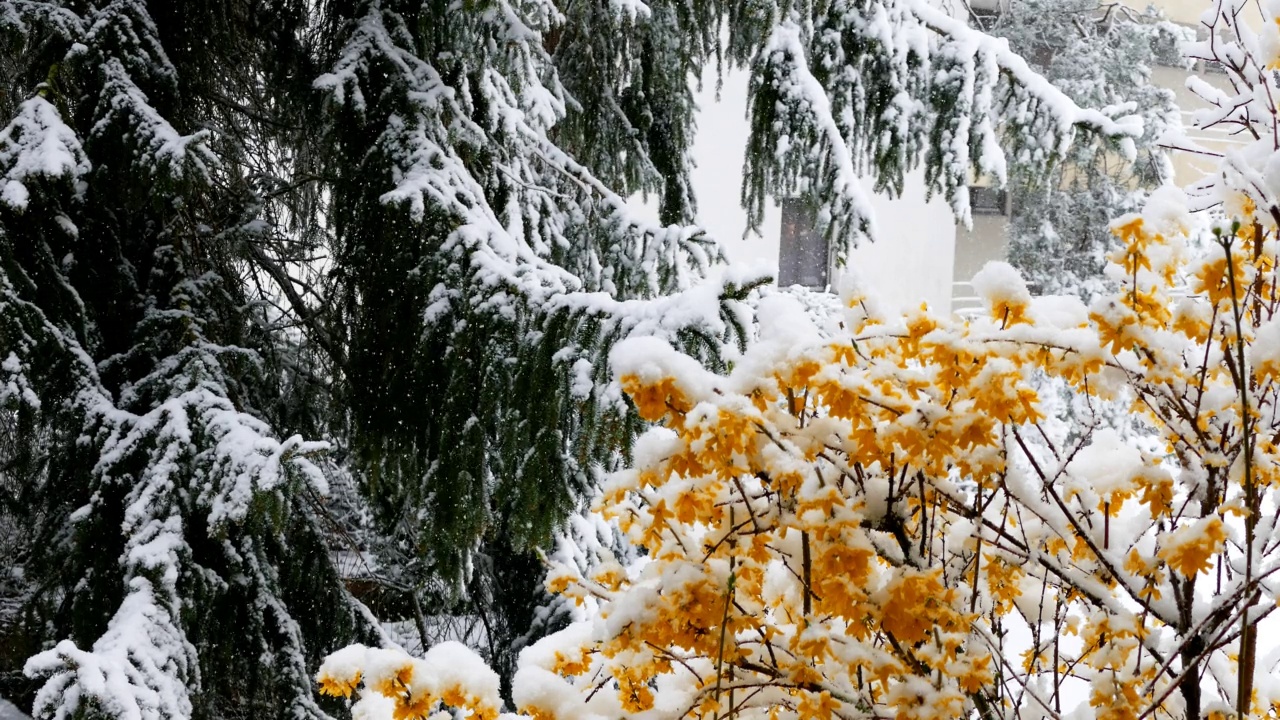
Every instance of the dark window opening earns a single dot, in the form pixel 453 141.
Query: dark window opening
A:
pixel 988 200
pixel 803 255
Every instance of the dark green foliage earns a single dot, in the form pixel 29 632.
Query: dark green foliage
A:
pixel 160 512
pixel 627 76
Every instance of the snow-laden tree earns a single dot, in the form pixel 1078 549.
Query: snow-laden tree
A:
pixel 170 567
pixel 1101 55
pixel 249 247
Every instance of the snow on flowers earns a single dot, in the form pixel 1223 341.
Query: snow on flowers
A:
pixel 889 522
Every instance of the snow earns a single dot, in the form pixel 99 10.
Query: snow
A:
pixel 651 359
pixel 446 668
pixel 1167 210
pixel 1106 465
pixel 452 664
pixel 36 144
pixel 1264 351
pixel 784 329
pixel 16 388
pixel 654 446
pixel 783 322
pixel 9 711
pixel 998 282
pixel 632 10
pixel 583 379
pixel 24 17
pixel 537 685
pixel 136 670
pixel 1059 311
pixel 373 706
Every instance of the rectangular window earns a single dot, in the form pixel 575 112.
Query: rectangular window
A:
pixel 984 14
pixel 803 255
pixel 985 200
pixel 1210 67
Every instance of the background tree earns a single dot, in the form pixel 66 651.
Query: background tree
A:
pixel 1100 55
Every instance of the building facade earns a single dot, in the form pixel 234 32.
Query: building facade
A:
pixel 987 239
pixel 922 255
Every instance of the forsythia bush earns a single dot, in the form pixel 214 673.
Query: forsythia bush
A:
pixel 889 523
pixel 885 523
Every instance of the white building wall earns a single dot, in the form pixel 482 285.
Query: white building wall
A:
pixel 1188 12
pixel 921 255
pixel 910 263
pixel 912 259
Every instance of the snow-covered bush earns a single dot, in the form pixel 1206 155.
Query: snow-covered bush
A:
pixel 881 524
pixel 885 524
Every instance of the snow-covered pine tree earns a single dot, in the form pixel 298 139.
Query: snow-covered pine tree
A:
pixel 194 269
pixel 1101 55
pixel 878 88
pixel 482 275
pixel 170 568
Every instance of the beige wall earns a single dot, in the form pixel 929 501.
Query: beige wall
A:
pixel 976 247
pixel 1189 167
pixel 986 241
pixel 1188 12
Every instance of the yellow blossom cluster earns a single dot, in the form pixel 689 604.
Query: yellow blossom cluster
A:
pixel 400 687
pixel 891 522
pixel 886 523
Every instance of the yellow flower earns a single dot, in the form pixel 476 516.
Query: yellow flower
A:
pixel 339 687
pixel 916 604
pixel 817 706
pixel 1189 549
pixel 654 401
